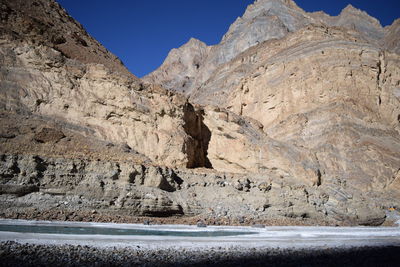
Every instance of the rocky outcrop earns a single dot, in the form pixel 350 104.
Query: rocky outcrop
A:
pixel 137 189
pixel 307 95
pixel 326 102
pixel 297 111
pixel 239 144
pixel 39 77
pixel 392 39
pixel 356 20
pixel 187 61
pixel 44 184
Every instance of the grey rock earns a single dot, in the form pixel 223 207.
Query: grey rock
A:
pixel 16 189
pixel 258 226
pixel 201 224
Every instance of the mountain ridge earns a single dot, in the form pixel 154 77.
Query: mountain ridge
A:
pixel 373 32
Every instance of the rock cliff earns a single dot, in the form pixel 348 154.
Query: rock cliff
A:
pixel 78 82
pixel 293 117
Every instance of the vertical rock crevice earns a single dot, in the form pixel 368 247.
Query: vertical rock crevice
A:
pixel 199 136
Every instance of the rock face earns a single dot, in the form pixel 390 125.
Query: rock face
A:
pixel 79 82
pixel 106 184
pixel 356 20
pixel 186 61
pixel 240 145
pixel 392 39
pixel 47 23
pixel 335 112
pixel 75 185
pixel 264 20
pixel 321 90
pixel 296 115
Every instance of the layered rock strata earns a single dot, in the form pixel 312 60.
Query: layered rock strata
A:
pixel 35 184
pixel 318 101
pixel 89 90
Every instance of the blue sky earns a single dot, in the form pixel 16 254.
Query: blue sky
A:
pixel 142 32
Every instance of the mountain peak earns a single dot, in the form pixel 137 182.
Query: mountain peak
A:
pixel 263 20
pixel 193 41
pixel 351 11
pixel 183 62
pixel 350 8
pixel 289 3
pixel 278 7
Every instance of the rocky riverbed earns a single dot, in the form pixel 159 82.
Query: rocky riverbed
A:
pixel 16 254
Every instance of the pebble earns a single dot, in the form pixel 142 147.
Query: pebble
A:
pixel 201 224
pixel 16 254
pixel 258 226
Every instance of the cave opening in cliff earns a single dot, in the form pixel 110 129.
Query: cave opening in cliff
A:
pixel 199 138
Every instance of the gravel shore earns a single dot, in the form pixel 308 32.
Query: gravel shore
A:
pixel 16 254
pixel 107 216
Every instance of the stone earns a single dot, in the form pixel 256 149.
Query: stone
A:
pixel 159 205
pixel 264 187
pixel 238 186
pixel 48 135
pixel 201 224
pixel 7 135
pixel 16 189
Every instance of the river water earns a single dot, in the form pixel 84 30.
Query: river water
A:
pixel 162 236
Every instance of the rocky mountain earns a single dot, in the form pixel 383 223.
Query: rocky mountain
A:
pixel 47 23
pixel 83 86
pixel 392 34
pixel 293 118
pixel 264 20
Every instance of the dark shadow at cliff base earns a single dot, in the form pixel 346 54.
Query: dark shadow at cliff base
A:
pixel 199 134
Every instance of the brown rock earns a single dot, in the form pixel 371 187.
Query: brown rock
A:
pixel 49 135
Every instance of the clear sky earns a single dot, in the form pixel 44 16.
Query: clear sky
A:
pixel 142 32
